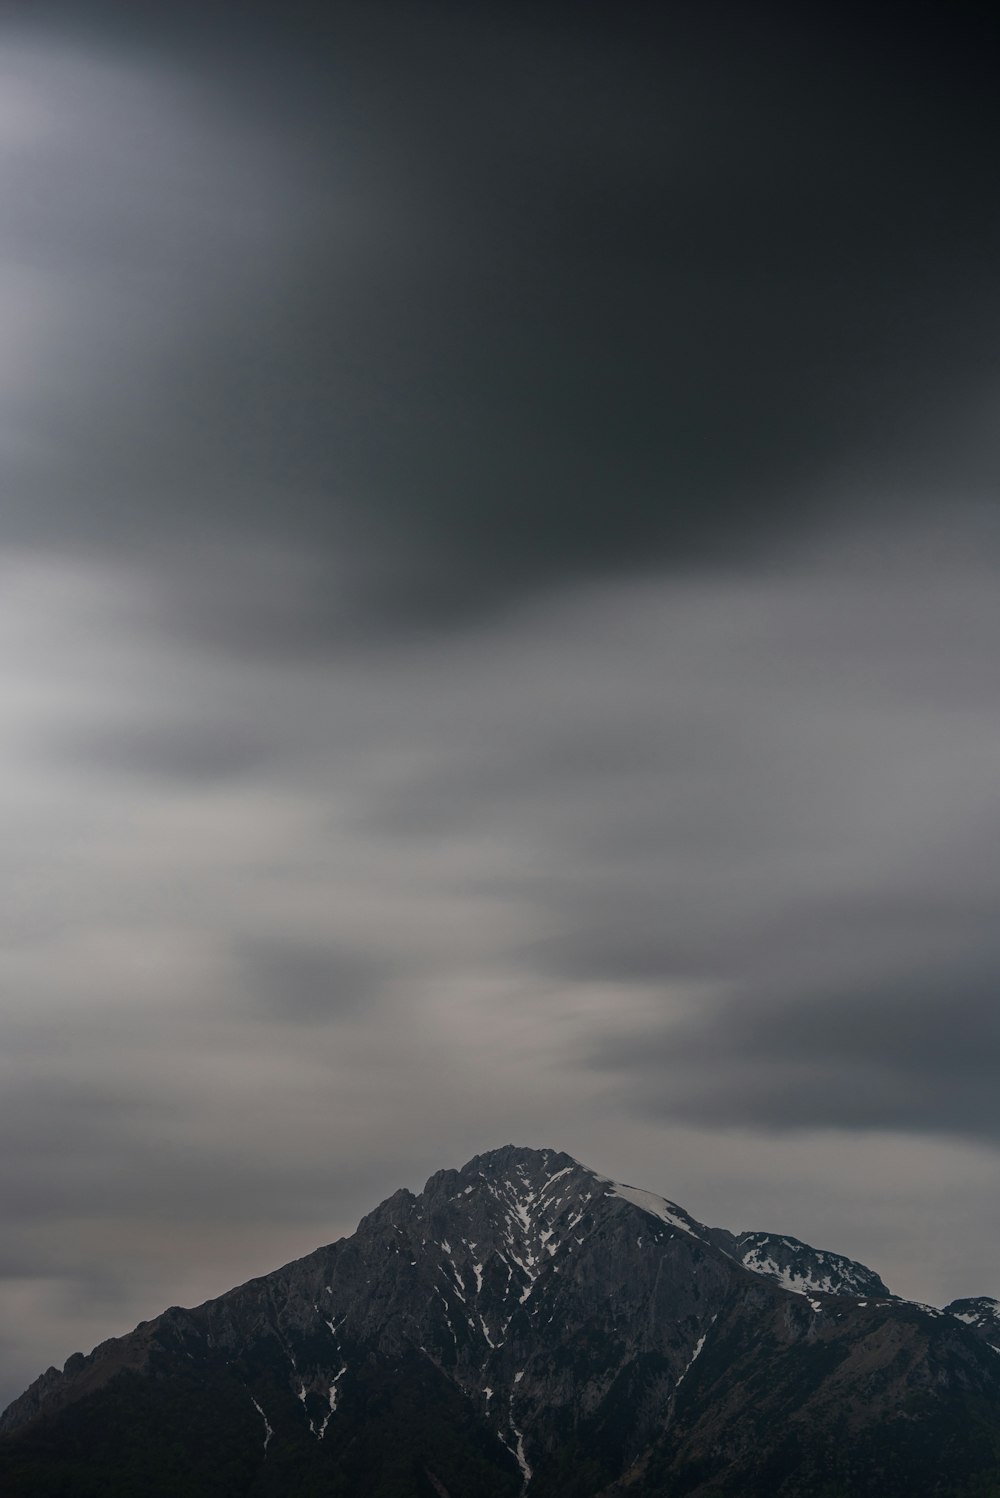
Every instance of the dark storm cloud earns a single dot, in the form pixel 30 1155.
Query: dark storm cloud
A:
pixel 915 1050
pixel 545 295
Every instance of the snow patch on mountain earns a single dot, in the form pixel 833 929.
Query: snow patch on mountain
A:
pixel 806 1271
pixel 656 1206
pixel 981 1312
pixel 268 1432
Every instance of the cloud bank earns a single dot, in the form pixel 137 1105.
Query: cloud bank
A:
pixel 498 631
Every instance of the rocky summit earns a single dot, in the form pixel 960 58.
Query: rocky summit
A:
pixel 524 1326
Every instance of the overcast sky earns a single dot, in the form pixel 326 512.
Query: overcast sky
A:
pixel 499 628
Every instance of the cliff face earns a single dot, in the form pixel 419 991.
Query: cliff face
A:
pixel 525 1325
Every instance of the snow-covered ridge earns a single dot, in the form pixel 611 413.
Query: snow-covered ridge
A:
pixel 537 1208
pixel 786 1261
pixel 657 1206
pixel 804 1270
pixel 981 1312
pixel 975 1309
pixel 538 1205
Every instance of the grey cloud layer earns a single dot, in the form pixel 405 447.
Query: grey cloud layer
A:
pixel 470 308
pixel 644 863
pixel 498 633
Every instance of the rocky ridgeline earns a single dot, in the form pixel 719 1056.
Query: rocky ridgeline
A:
pixel 524 1324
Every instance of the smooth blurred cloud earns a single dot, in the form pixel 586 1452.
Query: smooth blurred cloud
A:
pixel 721 840
pixel 465 309
pixel 498 632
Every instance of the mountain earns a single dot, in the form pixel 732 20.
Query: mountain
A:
pixel 796 1266
pixel 525 1326
pixel 982 1313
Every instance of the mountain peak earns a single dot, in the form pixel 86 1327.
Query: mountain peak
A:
pixel 523 1324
